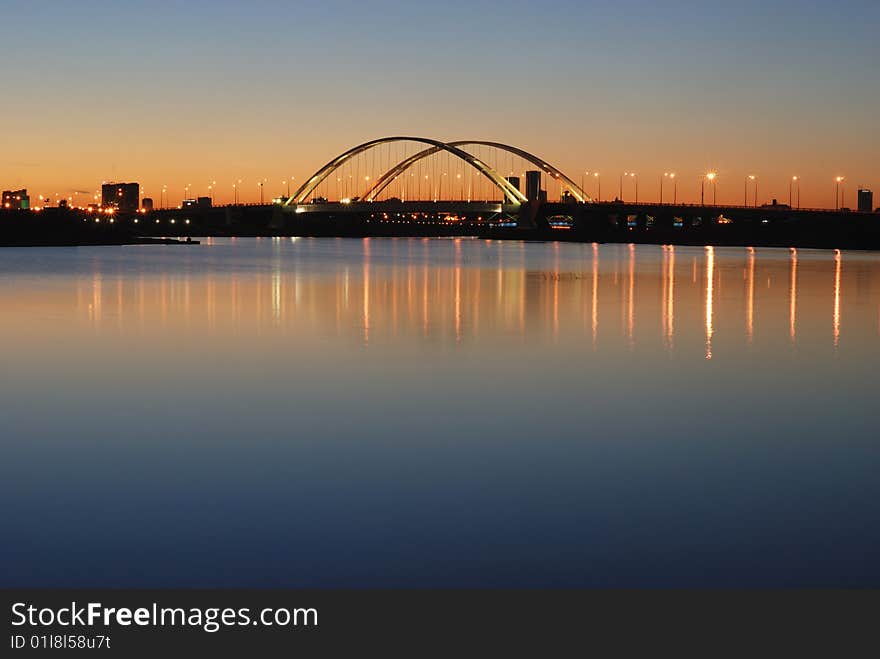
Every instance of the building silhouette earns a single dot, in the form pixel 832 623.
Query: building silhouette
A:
pixel 121 196
pixel 16 199
pixel 866 200
pixel 533 185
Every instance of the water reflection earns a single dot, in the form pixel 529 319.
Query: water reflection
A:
pixel 750 303
pixel 595 298
pixel 710 298
pixel 837 267
pixel 792 295
pixel 630 326
pixel 343 412
pixel 366 287
pixel 484 291
pixel 668 302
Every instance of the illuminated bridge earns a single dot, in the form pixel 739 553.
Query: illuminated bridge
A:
pixel 419 175
pixel 416 186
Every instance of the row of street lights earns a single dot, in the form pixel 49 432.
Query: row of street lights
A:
pixel 794 187
pixel 212 190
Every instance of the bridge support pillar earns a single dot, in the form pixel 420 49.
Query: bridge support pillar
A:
pixel 278 218
pixel 528 212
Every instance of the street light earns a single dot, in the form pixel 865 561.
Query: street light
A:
pixel 599 186
pixel 838 202
pixel 750 177
pixel 633 176
pixel 671 177
pixel 797 180
pixel 710 176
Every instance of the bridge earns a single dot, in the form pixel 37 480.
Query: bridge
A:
pixel 419 186
pixel 405 175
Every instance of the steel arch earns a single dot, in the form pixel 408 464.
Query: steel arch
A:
pixel 383 181
pixel 512 193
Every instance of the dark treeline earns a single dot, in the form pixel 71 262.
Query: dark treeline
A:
pixel 626 223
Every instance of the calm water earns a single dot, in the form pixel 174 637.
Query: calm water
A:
pixel 329 412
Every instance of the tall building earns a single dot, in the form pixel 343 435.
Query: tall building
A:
pixel 533 185
pixel 16 199
pixel 866 200
pixel 121 196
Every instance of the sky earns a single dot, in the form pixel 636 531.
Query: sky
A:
pixel 176 93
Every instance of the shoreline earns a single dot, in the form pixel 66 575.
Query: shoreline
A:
pixel 517 237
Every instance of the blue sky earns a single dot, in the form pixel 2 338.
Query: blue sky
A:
pixel 159 89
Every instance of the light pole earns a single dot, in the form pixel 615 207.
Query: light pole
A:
pixel 674 188
pixel 794 179
pixel 671 177
pixel 750 177
pixel 261 183
pixel 599 186
pixel 711 176
pixel 838 202
pixel 632 175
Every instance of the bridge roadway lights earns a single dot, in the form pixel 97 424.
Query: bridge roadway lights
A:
pixel 526 213
pixel 369 208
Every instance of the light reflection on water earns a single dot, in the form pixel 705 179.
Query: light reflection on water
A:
pixel 464 296
pixel 439 412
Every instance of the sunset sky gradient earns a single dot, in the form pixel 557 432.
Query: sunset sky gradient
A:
pixel 189 92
